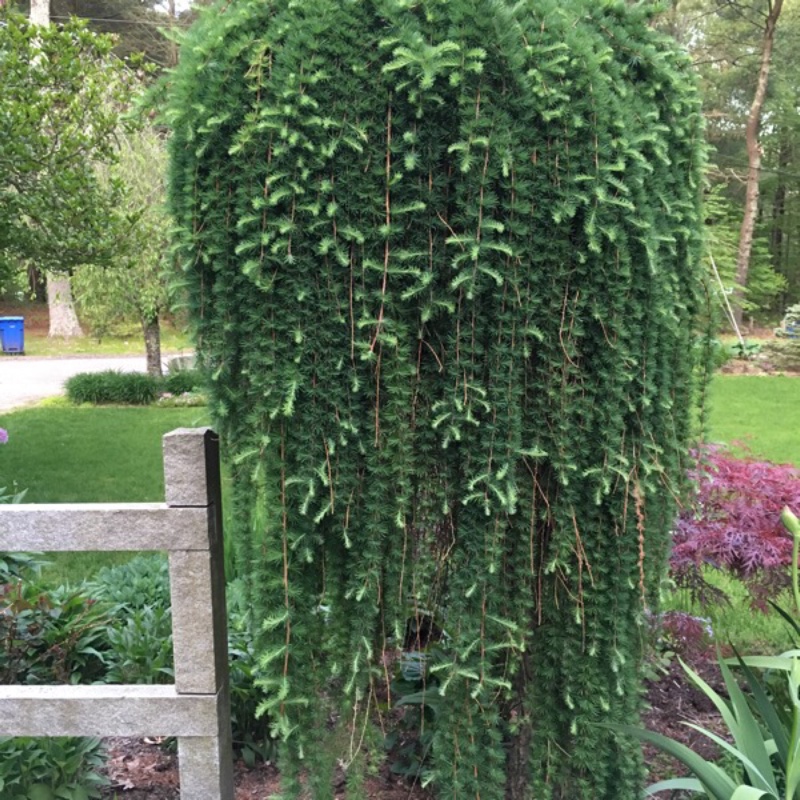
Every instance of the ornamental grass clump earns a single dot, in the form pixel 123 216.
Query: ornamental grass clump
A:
pixel 441 258
pixel 112 387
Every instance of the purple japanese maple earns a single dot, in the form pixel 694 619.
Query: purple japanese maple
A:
pixel 734 524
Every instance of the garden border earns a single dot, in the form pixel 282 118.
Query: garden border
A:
pixel 196 708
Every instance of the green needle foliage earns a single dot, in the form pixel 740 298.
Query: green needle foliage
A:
pixel 441 258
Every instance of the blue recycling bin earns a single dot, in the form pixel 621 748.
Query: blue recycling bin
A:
pixel 12 334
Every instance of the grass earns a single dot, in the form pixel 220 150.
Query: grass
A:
pixel 121 344
pixel 750 630
pixel 89 455
pixel 125 340
pixel 763 413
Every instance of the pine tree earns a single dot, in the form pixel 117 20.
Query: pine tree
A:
pixel 442 258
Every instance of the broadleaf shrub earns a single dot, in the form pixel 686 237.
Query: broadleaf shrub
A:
pixel 733 524
pixel 48 636
pixel 113 387
pixel 140 643
pixel 182 381
pixel 56 768
pixel 140 646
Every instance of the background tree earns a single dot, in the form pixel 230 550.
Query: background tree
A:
pixel 780 138
pixel 58 288
pixel 60 110
pixel 442 260
pixel 726 39
pixel 771 14
pixel 135 287
pixel 140 27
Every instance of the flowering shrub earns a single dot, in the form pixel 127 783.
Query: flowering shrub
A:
pixel 734 524
pixel 3 435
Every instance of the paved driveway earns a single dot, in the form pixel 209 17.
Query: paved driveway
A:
pixel 25 380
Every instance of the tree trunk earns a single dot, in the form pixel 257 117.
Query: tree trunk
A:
pixel 754 159
pixel 37 286
pixel 40 12
pixel 778 235
pixel 152 345
pixel 63 319
pixel 518 746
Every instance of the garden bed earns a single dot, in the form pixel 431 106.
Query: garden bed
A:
pixel 144 770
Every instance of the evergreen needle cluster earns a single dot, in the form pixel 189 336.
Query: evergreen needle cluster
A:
pixel 441 258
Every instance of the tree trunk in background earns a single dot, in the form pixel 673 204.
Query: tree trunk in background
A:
pixel 754 159
pixel 152 344
pixel 40 12
pixel 63 319
pixel 778 237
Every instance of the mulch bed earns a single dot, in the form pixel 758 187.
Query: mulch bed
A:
pixel 145 770
pixel 36 315
pixel 141 769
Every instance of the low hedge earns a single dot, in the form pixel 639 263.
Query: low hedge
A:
pixel 113 387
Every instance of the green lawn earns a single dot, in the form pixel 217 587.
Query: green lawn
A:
pixel 763 413
pixel 89 455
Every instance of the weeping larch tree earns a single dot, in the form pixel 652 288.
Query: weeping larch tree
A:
pixel 441 257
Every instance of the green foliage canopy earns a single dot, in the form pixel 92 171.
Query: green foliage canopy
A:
pixel 441 258
pixel 59 109
pixel 136 288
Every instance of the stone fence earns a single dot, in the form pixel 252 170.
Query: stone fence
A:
pixel 196 708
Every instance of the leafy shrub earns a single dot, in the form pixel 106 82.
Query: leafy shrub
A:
pixel 48 636
pixel 58 768
pixel 684 634
pixel 142 582
pixel 734 524
pixel 719 354
pixel 112 387
pixel 185 400
pixel 418 701
pixel 783 354
pixel 182 381
pixel 141 648
pixel 14 565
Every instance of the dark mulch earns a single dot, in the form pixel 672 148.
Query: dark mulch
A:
pixel 36 315
pixel 673 701
pixel 144 770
